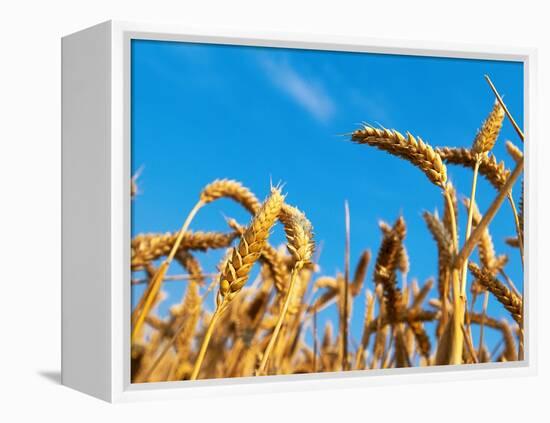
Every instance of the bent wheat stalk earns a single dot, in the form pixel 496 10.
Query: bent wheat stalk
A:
pixel 237 269
pixel 213 191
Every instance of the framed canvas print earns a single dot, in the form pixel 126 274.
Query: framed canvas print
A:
pixel 259 212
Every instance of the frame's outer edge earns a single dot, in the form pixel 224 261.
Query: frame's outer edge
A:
pixel 532 137
pixel 120 215
pixel 86 211
pixel 117 229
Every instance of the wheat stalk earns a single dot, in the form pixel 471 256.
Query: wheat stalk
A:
pixel 487 255
pixel 488 260
pixel 445 250
pixel 483 143
pixel 216 190
pixel 496 173
pixel 369 315
pixel 237 269
pixel 405 316
pixel 344 291
pixel 501 102
pixel 503 327
pixel 489 215
pixel 300 244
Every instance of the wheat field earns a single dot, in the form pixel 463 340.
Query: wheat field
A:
pixel 269 299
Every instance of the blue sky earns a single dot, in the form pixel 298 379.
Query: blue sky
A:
pixel 201 112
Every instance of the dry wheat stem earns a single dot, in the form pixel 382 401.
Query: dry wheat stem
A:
pixel 369 317
pixel 483 143
pixel 156 282
pixel 282 315
pixel 482 323
pixel 205 342
pixel 346 289
pixel 487 254
pixel 188 307
pixel 488 216
pixel 445 247
pixel 499 98
pixel 469 345
pixel 299 236
pixel 469 228
pixel 315 342
pixel 456 340
pixel 503 327
pixel 238 266
pixel 173 278
pixel 174 337
pixel 452 353
pixel 518 225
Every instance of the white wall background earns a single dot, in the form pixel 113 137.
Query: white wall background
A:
pixel 30 206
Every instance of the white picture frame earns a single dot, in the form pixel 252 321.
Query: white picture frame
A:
pixel 96 206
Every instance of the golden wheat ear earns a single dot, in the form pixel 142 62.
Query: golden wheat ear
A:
pixel 250 247
pixel 413 149
pixel 512 302
pixel 489 131
pixel 228 188
pixel 146 248
pixel 237 267
pixel 514 151
pixel 385 268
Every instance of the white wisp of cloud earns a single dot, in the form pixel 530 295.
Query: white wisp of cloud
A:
pixel 308 94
